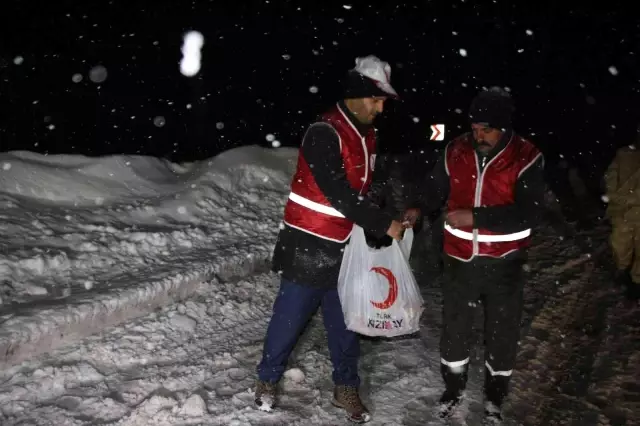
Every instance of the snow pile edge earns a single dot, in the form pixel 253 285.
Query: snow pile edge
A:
pixel 49 329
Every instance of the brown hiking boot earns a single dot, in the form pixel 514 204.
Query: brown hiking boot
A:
pixel 265 395
pixel 347 398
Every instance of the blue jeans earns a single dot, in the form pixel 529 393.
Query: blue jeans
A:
pixel 294 306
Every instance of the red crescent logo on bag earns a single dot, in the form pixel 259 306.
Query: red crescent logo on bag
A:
pixel 393 288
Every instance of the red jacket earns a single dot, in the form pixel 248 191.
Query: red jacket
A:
pixel 495 185
pixel 307 208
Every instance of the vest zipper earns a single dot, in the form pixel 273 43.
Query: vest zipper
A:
pixel 366 165
pixel 478 196
pixel 476 201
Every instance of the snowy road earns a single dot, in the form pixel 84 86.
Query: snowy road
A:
pixel 194 362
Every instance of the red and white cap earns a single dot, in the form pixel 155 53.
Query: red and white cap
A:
pixel 378 78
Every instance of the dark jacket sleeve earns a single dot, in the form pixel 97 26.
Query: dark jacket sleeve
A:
pixel 527 210
pixel 378 187
pixel 321 150
pixel 432 194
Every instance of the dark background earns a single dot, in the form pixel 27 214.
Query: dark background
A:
pixel 555 58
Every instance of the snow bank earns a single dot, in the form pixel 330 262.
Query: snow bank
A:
pixel 89 242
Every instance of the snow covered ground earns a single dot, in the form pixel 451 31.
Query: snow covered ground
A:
pixel 88 242
pixel 192 361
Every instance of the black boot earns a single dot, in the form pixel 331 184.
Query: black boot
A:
pixel 455 382
pixel 622 277
pixel 633 291
pixel 495 390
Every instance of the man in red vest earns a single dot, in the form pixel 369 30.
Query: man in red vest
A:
pixel 493 183
pixel 328 195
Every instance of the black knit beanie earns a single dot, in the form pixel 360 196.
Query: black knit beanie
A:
pixel 493 108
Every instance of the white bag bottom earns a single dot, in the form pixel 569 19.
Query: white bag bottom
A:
pixel 385 325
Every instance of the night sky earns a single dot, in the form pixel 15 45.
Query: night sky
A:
pixel 573 72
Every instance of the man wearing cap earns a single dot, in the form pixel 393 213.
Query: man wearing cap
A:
pixel 493 183
pixel 328 196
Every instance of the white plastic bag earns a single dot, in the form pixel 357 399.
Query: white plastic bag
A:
pixel 378 292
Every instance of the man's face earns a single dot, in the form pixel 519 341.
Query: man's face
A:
pixel 366 109
pixel 486 137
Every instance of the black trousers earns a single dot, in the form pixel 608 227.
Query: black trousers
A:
pixel 498 285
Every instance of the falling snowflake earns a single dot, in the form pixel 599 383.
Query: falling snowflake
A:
pixel 605 198
pixel 347 6
pixel 529 32
pixel 51 126
pixel 463 52
pixel 182 210
pixel 18 60
pixel 270 137
pixel 219 125
pixel 191 53
pixel 88 285
pixel 98 74
pixel 159 121
pixel 6 166
pixel 613 70
pixel 286 57
pixel 416 120
pixel 275 144
pixel 76 78
pixel 313 89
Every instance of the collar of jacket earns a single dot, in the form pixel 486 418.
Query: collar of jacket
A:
pixel 504 140
pixel 363 129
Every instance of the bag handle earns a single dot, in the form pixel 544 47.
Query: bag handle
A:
pixel 404 245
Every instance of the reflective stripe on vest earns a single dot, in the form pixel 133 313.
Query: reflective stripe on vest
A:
pixel 488 238
pixel 312 205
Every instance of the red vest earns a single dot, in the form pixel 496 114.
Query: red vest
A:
pixel 493 187
pixel 308 209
